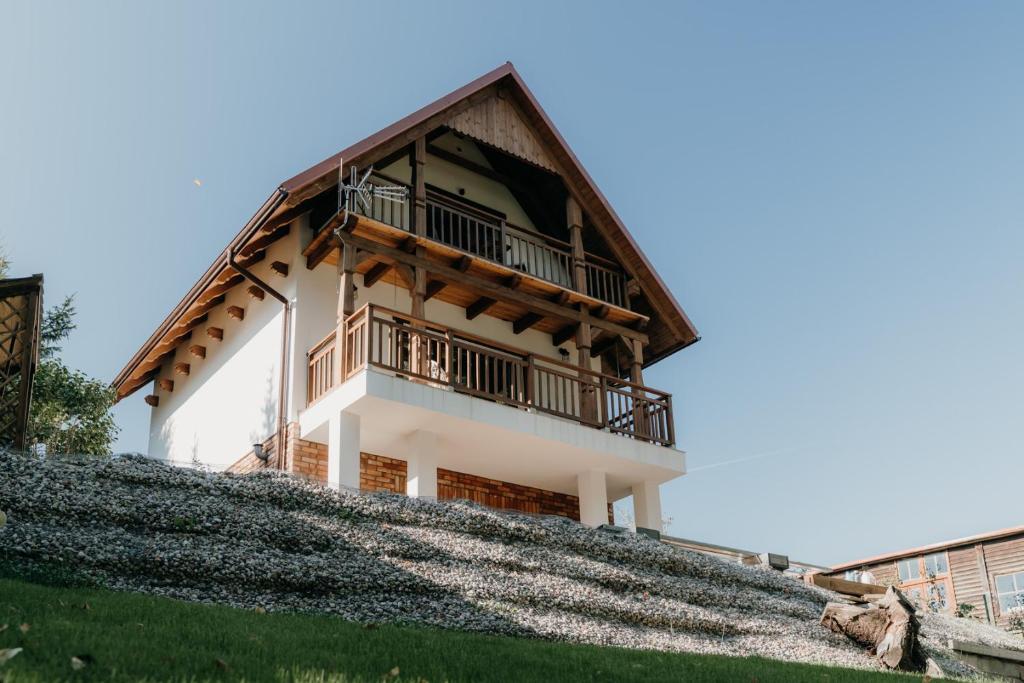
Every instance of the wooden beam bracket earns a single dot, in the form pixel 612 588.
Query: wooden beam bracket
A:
pixel 479 306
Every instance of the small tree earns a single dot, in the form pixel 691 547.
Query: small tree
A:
pixel 70 411
pixel 964 610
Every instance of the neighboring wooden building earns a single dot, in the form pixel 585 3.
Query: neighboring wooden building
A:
pixel 985 571
pixel 486 338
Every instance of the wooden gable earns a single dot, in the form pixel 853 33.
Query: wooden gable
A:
pixel 497 122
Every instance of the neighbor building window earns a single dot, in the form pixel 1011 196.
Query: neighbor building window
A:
pixel 1010 589
pixel 925 580
pixel 935 564
pixel 909 570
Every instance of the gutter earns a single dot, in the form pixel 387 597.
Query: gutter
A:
pixel 286 340
pixel 244 235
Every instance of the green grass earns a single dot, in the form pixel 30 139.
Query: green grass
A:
pixel 129 637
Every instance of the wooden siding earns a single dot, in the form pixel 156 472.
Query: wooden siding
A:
pixel 1003 557
pixel 496 122
pixel 968 582
pixel 973 567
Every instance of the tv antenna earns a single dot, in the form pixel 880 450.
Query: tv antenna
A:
pixel 358 193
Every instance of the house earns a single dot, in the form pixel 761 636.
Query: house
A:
pixel 474 321
pixel 985 571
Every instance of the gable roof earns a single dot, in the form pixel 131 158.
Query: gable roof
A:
pixel 670 329
pixel 679 330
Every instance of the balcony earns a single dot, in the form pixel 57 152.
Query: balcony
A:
pixel 475 232
pixel 423 352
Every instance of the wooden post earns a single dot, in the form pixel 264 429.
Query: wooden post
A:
pixel 636 375
pixel 574 220
pixel 419 290
pixel 584 340
pixel 346 303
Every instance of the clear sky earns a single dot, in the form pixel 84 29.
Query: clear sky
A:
pixel 834 192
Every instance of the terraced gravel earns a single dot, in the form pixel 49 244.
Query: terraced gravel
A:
pixel 281 543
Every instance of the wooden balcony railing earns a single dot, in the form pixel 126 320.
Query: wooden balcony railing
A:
pixel 490 237
pixel 422 351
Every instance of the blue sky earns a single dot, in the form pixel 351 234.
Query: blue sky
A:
pixel 833 191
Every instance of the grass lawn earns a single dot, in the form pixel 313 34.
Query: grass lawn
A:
pixel 128 637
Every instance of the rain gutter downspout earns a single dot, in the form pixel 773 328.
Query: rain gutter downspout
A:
pixel 286 332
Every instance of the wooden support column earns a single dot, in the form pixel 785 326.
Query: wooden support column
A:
pixel 584 339
pixel 636 370
pixel 346 306
pixel 588 391
pixel 574 220
pixel 419 161
pixel 636 375
pixel 419 228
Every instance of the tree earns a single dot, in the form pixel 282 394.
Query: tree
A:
pixel 70 411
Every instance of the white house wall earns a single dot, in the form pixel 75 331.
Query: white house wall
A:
pixel 230 399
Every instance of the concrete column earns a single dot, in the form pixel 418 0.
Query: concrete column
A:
pixel 647 505
pixel 593 495
pixel 421 477
pixel 343 451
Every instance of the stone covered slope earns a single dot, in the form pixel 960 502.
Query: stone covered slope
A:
pixel 284 544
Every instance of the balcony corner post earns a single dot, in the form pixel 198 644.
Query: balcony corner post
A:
pixel 574 220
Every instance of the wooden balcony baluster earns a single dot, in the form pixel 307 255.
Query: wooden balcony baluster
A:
pixel 419 350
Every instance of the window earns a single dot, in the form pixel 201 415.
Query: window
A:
pixel 937 597
pixel 852 575
pixel 1010 591
pixel 909 570
pixel 935 565
pixel 925 580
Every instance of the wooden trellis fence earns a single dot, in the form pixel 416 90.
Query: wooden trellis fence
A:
pixel 21 302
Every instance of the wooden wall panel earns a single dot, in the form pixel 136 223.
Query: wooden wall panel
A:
pixel 968 583
pixel 496 122
pixel 1004 556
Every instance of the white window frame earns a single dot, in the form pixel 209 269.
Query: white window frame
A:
pixel 1017 592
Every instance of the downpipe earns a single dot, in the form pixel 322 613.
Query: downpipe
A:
pixel 286 339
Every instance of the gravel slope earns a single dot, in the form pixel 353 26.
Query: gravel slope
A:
pixel 285 544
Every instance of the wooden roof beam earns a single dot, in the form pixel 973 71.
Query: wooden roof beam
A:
pixel 265 241
pixel 491 289
pixel 565 334
pixel 526 322
pixel 434 288
pixel 602 344
pixel 479 306
pixel 375 273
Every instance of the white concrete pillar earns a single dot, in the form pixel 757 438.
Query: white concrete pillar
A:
pixel 343 451
pixel 421 477
pixel 593 495
pixel 647 505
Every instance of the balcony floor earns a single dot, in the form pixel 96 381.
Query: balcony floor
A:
pixel 488 439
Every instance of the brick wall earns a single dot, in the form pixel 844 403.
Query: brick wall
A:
pixel 502 494
pixel 381 473
pixel 307 458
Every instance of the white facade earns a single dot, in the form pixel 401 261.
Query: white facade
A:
pixel 229 401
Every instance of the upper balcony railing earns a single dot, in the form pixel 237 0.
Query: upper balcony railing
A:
pixel 422 351
pixel 490 237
